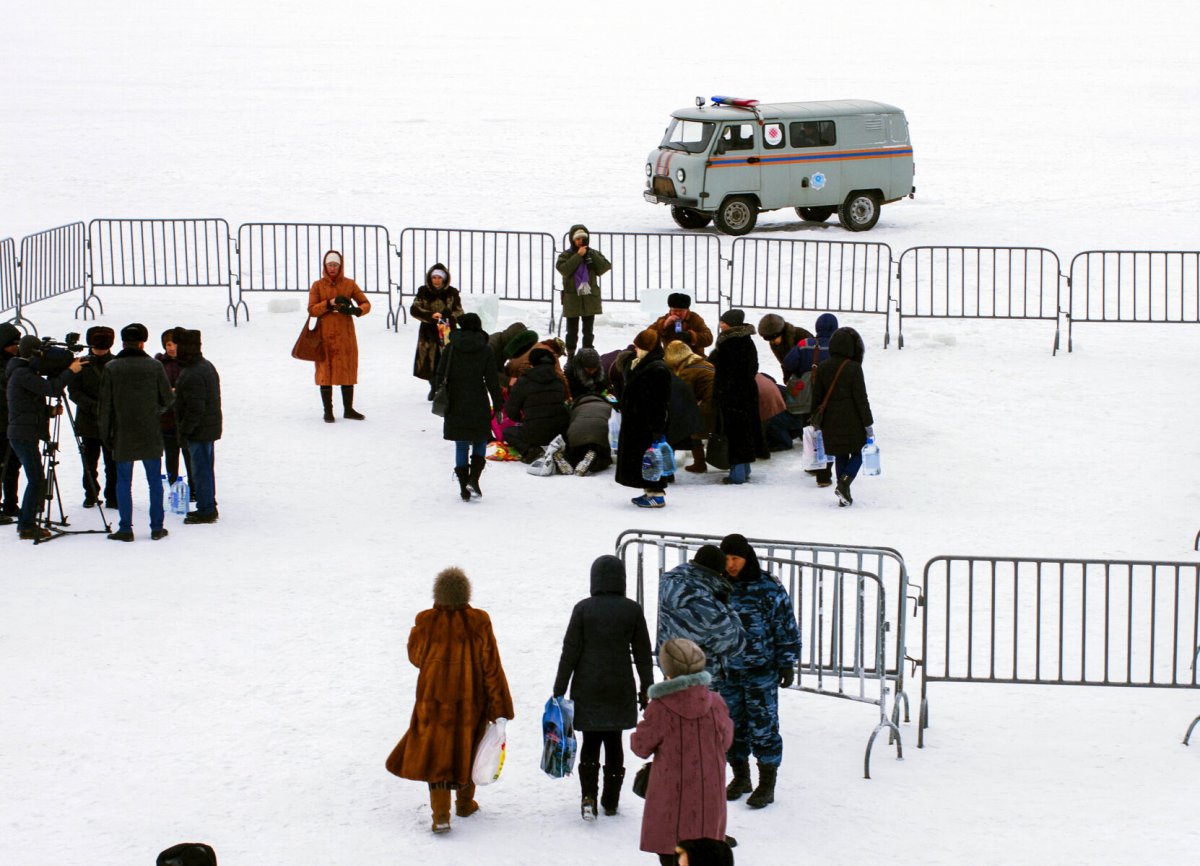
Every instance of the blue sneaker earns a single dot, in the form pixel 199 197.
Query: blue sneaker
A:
pixel 649 501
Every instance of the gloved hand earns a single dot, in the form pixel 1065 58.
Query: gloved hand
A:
pixel 871 432
pixel 341 301
pixel 356 311
pixel 643 699
pixel 787 676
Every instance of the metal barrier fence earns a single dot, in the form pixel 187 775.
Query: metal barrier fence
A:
pixel 648 260
pixel 9 296
pixel 884 563
pixel 164 253
pixel 1059 622
pixel 513 265
pixel 978 283
pixel 818 276
pixel 53 263
pixel 287 257
pixel 1133 286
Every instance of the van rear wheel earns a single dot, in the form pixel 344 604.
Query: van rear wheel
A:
pixel 860 211
pixel 737 215
pixel 815 214
pixel 686 218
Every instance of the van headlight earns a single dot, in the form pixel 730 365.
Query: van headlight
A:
pixel 649 170
pixel 680 175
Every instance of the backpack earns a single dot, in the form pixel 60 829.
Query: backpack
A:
pixel 798 391
pixel 558 737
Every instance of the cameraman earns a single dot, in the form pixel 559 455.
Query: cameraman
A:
pixel 85 393
pixel 28 422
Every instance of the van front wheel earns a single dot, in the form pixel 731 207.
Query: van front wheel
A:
pixel 860 211
pixel 815 214
pixel 737 215
pixel 686 218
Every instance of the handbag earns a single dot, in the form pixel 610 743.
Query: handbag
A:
pixel 441 398
pixel 641 780
pixel 716 452
pixel 309 345
pixel 817 418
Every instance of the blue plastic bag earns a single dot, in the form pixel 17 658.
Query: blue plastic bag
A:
pixel 558 738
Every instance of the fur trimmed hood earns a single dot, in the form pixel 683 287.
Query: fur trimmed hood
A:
pixel 451 588
pixel 678 684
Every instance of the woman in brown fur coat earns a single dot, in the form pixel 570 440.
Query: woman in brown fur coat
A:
pixel 336 301
pixel 460 689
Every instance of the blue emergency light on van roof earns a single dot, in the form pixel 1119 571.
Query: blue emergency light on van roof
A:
pixel 734 102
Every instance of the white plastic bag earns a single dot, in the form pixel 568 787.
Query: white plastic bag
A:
pixel 813 456
pixel 489 754
pixel 542 466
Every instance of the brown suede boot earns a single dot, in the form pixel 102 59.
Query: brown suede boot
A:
pixel 439 801
pixel 464 802
pixel 697 464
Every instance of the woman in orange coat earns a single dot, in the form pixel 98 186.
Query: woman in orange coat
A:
pixel 460 689
pixel 336 301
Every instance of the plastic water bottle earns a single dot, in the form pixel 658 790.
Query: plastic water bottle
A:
pixel 870 454
pixel 166 491
pixel 652 467
pixel 666 454
pixel 179 496
pixel 614 430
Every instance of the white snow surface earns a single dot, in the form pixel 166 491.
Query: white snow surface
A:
pixel 242 683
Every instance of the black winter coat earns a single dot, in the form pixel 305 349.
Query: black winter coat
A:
pixel 848 414
pixel 735 392
pixel 589 422
pixel 469 371
pixel 134 392
pixel 28 413
pixel 539 401
pixel 685 418
pixel 605 630
pixel 173 368
pixel 645 411
pixel 85 394
pixel 198 401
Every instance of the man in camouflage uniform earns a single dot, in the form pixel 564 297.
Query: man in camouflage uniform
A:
pixel 693 603
pixel 751 681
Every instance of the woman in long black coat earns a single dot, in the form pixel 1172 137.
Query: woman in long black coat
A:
pixel 645 402
pixel 469 372
pixel 847 422
pixel 604 630
pixel 735 393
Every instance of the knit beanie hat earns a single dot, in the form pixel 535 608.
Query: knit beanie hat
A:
pixel 646 340
pixel 680 656
pixel 711 557
pixel 28 345
pixel 470 322
pixel 332 254
pixel 770 326
pixel 588 359
pixel 733 318
pixel 9 334
pixel 579 233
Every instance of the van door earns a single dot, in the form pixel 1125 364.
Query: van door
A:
pixel 776 167
pixel 815 170
pixel 735 164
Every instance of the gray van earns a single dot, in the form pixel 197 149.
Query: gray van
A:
pixel 737 157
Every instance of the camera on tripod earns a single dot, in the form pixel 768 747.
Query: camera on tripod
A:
pixel 54 356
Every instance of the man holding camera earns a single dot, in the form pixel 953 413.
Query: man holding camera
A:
pixel 581 268
pixel 10 466
pixel 29 423
pixel 85 394
pixel 134 392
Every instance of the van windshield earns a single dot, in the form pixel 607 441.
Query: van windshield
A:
pixel 692 136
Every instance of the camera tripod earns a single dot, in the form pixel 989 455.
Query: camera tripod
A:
pixel 57 528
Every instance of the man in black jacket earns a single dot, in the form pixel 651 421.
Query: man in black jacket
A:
pixel 85 394
pixel 134 392
pixel 10 466
pixel 198 420
pixel 28 422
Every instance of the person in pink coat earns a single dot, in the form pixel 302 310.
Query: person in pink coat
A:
pixel 688 730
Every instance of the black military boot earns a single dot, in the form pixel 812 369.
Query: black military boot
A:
pixel 463 490
pixel 348 404
pixel 327 402
pixel 614 777
pixel 589 783
pixel 741 780
pixel 477 465
pixel 764 794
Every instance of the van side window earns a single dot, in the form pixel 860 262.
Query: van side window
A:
pixel 773 136
pixel 813 133
pixel 737 136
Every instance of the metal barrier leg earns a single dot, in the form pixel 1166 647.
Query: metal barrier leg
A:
pixel 900 696
pixel 86 305
pixel 922 723
pixel 233 308
pixel 893 736
pixel 1191 727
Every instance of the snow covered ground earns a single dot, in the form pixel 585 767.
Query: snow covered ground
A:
pixel 242 683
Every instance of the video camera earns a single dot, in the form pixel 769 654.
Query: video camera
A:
pixel 54 356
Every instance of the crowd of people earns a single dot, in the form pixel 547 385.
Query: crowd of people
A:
pixel 553 399
pixel 726 642
pixel 129 408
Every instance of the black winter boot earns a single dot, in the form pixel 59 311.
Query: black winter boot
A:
pixel 764 794
pixel 614 777
pixel 843 491
pixel 589 783
pixel 740 784
pixel 327 402
pixel 463 490
pixel 477 465
pixel 348 404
